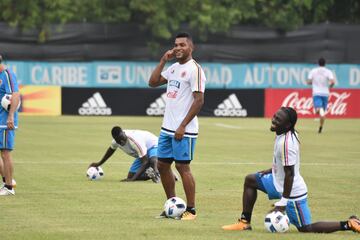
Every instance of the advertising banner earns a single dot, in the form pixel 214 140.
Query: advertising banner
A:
pixel 343 103
pixel 40 100
pixel 151 102
pixel 136 74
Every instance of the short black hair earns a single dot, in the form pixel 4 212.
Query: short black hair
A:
pixel 184 35
pixel 321 61
pixel 115 131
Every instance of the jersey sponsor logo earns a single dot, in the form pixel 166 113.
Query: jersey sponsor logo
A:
pixel 172 94
pixel 304 105
pixel 95 105
pixel 230 107
pixel 157 108
pixel 174 83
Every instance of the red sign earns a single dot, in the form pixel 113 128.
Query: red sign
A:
pixel 343 103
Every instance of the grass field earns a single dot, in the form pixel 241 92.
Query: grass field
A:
pixel 54 200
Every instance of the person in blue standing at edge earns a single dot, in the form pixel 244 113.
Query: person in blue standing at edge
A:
pixel 8 124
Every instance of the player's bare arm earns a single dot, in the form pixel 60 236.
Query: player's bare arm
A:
pixel 193 111
pixel 107 155
pixel 15 99
pixel 331 83
pixel 156 79
pixel 288 183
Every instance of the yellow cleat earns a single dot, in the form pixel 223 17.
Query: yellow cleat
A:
pixel 188 216
pixel 241 225
pixel 354 224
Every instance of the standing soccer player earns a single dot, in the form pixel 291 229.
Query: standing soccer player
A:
pixel 321 80
pixel 185 81
pixel 8 124
pixel 283 181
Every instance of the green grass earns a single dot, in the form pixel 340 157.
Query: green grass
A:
pixel 54 200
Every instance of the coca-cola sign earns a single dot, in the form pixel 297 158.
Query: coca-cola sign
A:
pixel 343 103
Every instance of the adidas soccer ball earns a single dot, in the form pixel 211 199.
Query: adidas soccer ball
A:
pixel 277 222
pixel 6 102
pixel 174 207
pixel 95 173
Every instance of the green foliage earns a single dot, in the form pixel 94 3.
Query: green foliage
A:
pixel 164 17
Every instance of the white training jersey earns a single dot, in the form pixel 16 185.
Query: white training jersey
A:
pixel 287 153
pixel 137 144
pixel 182 81
pixel 320 78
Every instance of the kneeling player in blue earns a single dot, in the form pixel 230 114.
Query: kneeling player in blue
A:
pixel 142 145
pixel 284 182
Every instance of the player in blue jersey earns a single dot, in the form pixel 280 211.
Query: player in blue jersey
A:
pixel 8 124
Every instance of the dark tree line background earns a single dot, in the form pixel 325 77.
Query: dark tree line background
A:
pixel 163 17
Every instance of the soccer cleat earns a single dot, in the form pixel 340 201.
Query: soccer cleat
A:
pixel 4 191
pixel 354 224
pixel 162 215
pixel 155 177
pixel 241 225
pixel 13 184
pixel 188 216
pixel 320 130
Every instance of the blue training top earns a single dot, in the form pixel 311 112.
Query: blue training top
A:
pixel 8 85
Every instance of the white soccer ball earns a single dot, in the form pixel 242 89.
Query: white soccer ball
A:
pixel 277 221
pixel 174 207
pixel 94 173
pixel 6 102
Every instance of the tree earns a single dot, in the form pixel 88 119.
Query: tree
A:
pixel 164 17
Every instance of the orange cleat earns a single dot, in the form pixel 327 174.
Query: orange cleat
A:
pixel 241 225
pixel 188 216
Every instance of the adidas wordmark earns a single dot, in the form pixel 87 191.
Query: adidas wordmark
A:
pixel 95 105
pixel 230 107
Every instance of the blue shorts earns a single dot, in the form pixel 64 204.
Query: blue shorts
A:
pixel 169 147
pixel 152 152
pixel 7 139
pixel 298 211
pixel 320 101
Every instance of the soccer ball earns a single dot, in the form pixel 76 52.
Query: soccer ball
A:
pixel 276 221
pixel 6 102
pixel 174 207
pixel 95 173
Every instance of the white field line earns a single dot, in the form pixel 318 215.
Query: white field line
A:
pixel 196 162
pixel 228 126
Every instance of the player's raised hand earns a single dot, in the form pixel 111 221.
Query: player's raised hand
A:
pixel 168 55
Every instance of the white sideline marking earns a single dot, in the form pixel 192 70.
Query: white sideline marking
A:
pixel 227 126
pixel 198 162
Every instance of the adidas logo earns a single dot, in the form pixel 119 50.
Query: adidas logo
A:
pixel 95 106
pixel 230 107
pixel 157 108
